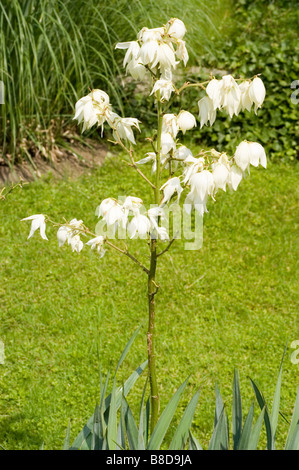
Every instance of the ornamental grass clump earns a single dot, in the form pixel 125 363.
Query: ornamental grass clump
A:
pixel 179 179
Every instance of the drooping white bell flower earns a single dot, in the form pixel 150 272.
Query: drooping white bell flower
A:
pixel 186 121
pixel 153 34
pixel 164 87
pixel 136 69
pixel 171 186
pixel 243 155
pixel 250 153
pixel 221 170
pixel 139 226
pixel 230 95
pixel 235 177
pixel 258 155
pixel 133 50
pixel 67 232
pixel 92 109
pixel 132 204
pixel 76 243
pixel 170 124
pixel 182 152
pixel 122 127
pixel 156 214
pixel 257 92
pixel 112 212
pixel 151 157
pixel 63 234
pixel 176 28
pixel 38 222
pixel 202 185
pixel 181 51
pixel 193 165
pixel 149 52
pixel 245 101
pixel 165 58
pixel 214 91
pixel 207 111
pixel 167 143
pixel 98 244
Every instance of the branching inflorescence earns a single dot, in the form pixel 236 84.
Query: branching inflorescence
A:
pixel 175 170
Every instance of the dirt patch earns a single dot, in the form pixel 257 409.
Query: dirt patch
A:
pixel 65 162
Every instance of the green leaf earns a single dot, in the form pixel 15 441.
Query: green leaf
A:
pixel 127 348
pixel 262 403
pixel 165 419
pixel 66 444
pixel 81 441
pixel 256 431
pixel 112 421
pixel 97 435
pixel 181 434
pixel 193 442
pixel 276 401
pixel 219 439
pixel 293 430
pixel 237 410
pixel 130 424
pixel 246 431
pixel 141 444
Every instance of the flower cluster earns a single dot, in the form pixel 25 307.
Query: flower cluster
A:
pixel 211 171
pixel 233 98
pixel 158 50
pixel 95 109
pixel 131 216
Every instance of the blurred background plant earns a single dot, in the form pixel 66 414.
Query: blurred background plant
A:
pixel 52 51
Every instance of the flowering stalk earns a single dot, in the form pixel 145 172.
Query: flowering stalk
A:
pixel 158 51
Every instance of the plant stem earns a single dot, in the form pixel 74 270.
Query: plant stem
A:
pixel 153 288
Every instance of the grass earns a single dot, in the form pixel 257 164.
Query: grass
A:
pixel 232 304
pixel 53 52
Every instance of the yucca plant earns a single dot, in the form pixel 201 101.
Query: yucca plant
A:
pixel 114 427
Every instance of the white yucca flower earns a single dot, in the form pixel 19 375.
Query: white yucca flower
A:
pixel 245 101
pixel 186 121
pixel 38 222
pixel 202 185
pixel 230 95
pixel 207 111
pixel 111 212
pixel 97 244
pixel 193 165
pixel 164 87
pixel 122 127
pixel 257 92
pixel 170 124
pixel 171 186
pixel 221 172
pixel 181 51
pixel 139 226
pixel 167 143
pixel 250 153
pixel 151 157
pixel 92 109
pixel 235 177
pixel 175 28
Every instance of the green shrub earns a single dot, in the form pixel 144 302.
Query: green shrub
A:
pixel 260 37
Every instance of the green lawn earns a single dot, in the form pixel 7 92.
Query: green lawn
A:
pixel 232 304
